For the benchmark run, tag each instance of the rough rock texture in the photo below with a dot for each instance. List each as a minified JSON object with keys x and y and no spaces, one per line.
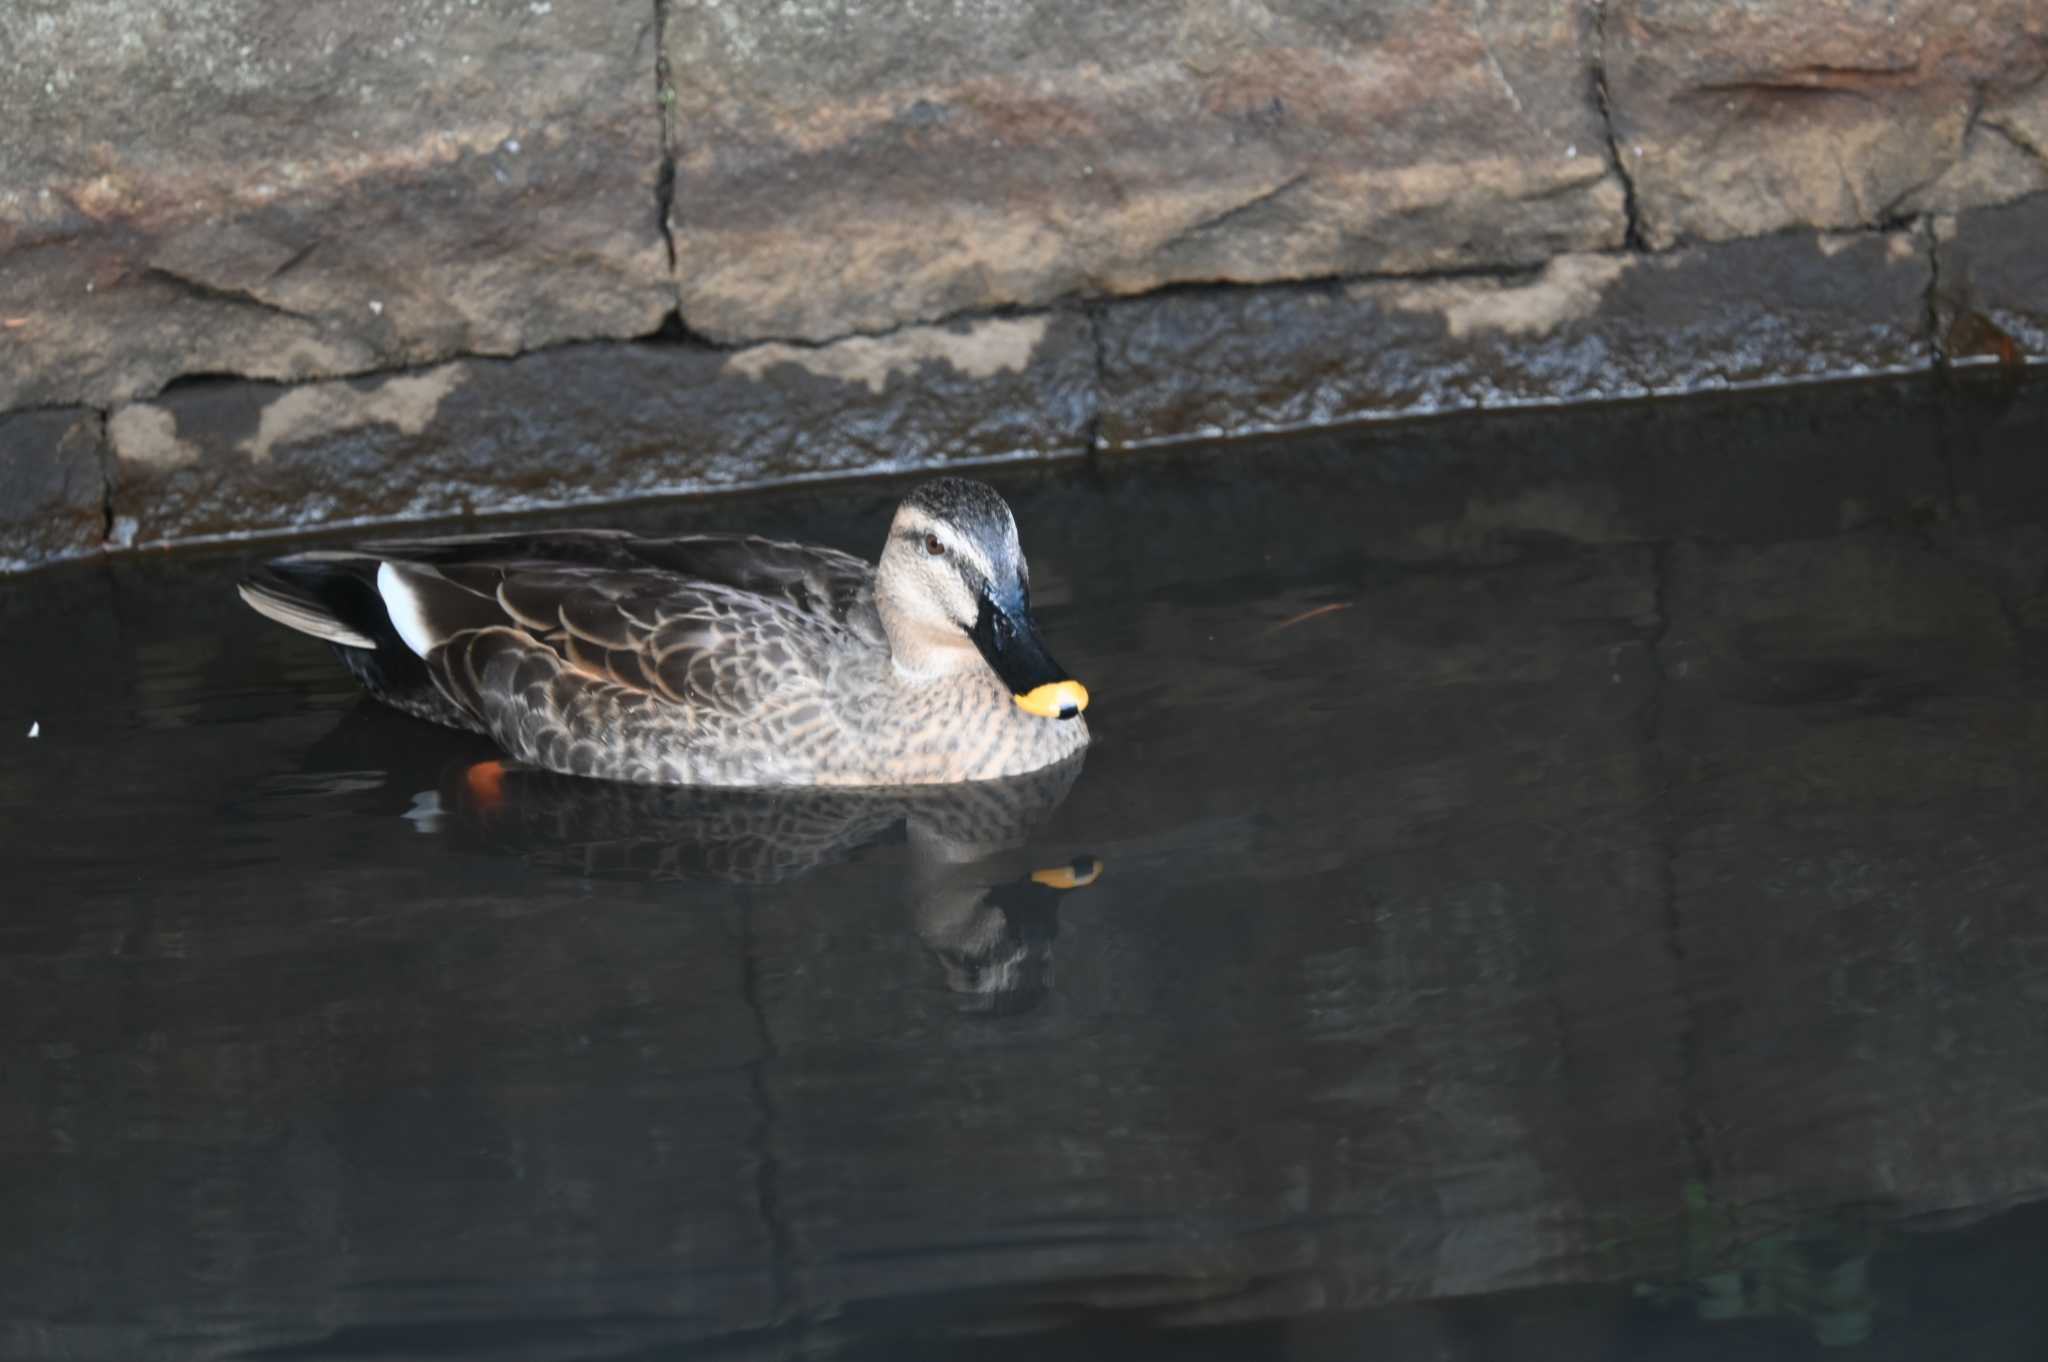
{"x":1585,"y":327}
{"x":1281,"y":214}
{"x":1737,"y":119}
{"x":52,"y":486}
{"x":1992,"y":302}
{"x":286,"y":191}
{"x":857,"y":166}
{"x":596,"y":422}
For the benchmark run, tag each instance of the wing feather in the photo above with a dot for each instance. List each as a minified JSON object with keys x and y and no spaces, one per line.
{"x":810,"y":579}
{"x":561,"y":643}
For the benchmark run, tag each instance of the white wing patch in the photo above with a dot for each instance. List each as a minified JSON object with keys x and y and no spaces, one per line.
{"x":403,"y":605}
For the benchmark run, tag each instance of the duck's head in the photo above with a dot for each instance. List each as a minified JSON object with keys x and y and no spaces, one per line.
{"x":953,"y":588}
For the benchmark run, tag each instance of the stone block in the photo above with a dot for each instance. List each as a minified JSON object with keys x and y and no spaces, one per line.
{"x":1736,"y":120}
{"x":855,"y":166}
{"x":221,"y":186}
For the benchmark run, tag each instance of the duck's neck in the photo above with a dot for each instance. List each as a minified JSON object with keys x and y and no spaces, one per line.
{"x":920,"y":653}
{"x":970,"y":727}
{"x":963,"y":685}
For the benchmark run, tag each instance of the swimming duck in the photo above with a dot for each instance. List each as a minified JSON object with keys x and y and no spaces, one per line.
{"x":718,"y":660}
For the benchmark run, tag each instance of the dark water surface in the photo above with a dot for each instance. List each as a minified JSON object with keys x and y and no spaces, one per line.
{"x":1573,"y":885}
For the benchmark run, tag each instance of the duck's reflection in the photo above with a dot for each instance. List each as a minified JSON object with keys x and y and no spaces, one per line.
{"x":988,"y":914}
{"x":1823,"y":1278}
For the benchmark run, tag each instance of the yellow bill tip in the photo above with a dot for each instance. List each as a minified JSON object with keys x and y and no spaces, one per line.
{"x":1078,"y":875}
{"x":1056,"y":700}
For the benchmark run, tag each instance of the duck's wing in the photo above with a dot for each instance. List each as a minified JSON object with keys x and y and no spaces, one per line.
{"x":688,"y":642}
{"x":571,"y":648}
{"x":834,"y":587}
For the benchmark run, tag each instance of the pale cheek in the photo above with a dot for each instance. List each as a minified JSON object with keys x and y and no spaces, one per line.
{"x":960,"y":601}
{"x":937,"y":596}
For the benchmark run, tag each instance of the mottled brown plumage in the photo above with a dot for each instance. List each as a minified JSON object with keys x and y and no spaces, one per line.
{"x":710,"y":659}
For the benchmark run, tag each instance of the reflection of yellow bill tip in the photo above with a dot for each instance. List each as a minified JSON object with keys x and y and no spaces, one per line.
{"x":1058,"y":700}
{"x":1079,"y":875}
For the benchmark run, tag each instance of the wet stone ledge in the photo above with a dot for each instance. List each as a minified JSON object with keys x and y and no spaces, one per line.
{"x":613,"y":421}
{"x":1796,"y":306}
{"x":593,"y":423}
{"x":52,"y":486}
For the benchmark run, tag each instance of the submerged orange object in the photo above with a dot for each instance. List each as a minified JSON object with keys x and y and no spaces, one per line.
{"x":486,"y":782}
{"x":1076,"y":875}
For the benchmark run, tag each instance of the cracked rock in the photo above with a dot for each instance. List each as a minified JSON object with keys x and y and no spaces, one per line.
{"x":239,"y":189}
{"x":846,"y":167}
{"x":1735,"y":120}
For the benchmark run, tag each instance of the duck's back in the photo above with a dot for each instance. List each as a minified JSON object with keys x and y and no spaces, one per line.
{"x":693,"y":660}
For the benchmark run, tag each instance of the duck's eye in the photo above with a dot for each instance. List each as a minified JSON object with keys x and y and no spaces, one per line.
{"x":933,"y":546}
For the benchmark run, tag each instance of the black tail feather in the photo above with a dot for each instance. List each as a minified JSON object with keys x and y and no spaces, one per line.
{"x":343,"y":587}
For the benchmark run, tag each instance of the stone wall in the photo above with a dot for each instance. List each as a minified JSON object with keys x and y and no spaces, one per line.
{"x":266,"y":266}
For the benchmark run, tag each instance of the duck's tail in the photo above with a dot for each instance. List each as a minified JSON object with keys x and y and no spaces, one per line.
{"x":333,"y":595}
